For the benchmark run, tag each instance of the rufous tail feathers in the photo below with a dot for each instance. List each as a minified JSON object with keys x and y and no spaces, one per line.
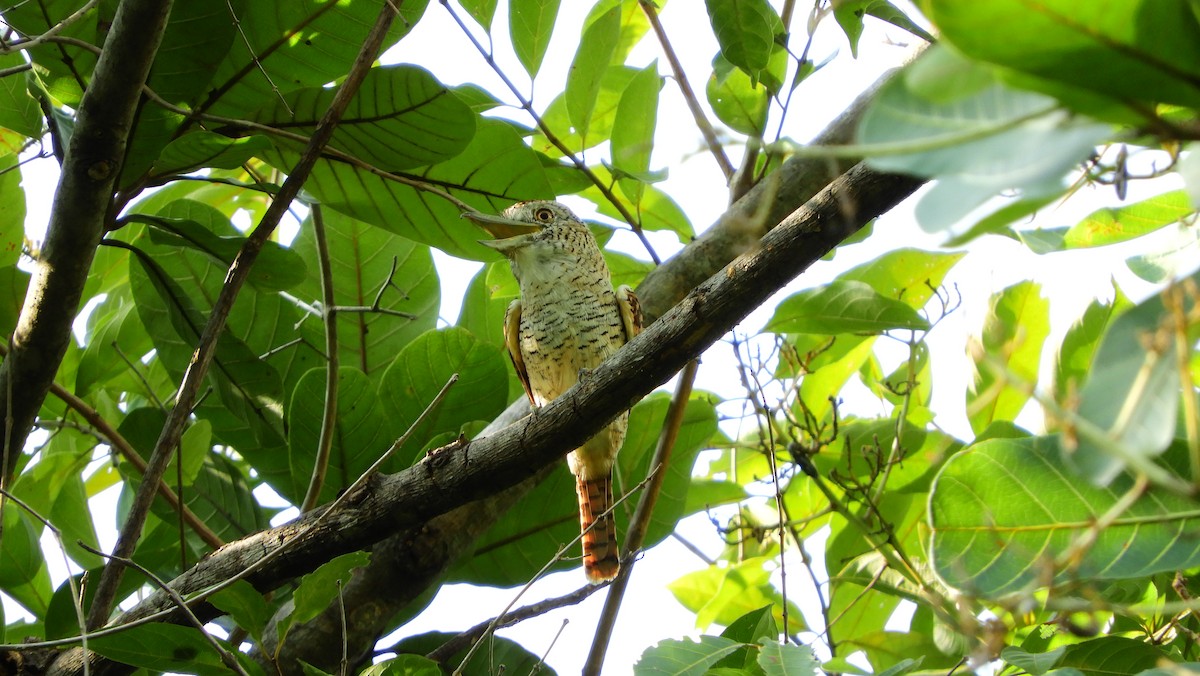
{"x":601,"y":560}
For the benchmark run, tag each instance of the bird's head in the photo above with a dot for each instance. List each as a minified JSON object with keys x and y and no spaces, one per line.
{"x":527,"y":223}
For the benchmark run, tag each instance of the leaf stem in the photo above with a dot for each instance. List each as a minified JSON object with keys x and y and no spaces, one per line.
{"x":329,"y":315}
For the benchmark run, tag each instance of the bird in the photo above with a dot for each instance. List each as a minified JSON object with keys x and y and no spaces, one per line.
{"x":567,"y":320}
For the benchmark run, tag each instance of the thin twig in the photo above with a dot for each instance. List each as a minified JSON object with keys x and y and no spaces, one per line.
{"x":450,"y":648}
{"x":203,"y":595}
{"x":238,"y":271}
{"x":641,"y":516}
{"x":329,"y":417}
{"x":49,"y":33}
{"x":227,"y":658}
{"x":689,"y":95}
{"x":126,"y":450}
{"x":76,"y":594}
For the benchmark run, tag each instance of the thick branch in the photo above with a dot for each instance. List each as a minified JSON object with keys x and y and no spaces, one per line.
{"x":77,"y":220}
{"x":468,"y":471}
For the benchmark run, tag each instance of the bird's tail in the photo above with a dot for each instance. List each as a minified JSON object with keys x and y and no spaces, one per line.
{"x":601,"y":560}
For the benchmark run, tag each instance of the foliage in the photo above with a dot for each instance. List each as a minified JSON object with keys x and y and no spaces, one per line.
{"x":1054,"y":531}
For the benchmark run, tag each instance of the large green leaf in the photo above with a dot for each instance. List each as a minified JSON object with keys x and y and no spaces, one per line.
{"x":495,"y":170}
{"x":12,"y":211}
{"x":633,"y":131}
{"x":19,"y":111}
{"x":843,"y":307}
{"x":736,"y":99}
{"x":1007,"y":516}
{"x":1133,"y":397}
{"x":1016,"y":327}
{"x":198,"y":37}
{"x":908,"y":275}
{"x":1078,"y":347}
{"x":1137,"y":50}
{"x":947,"y":118}
{"x":360,"y":433}
{"x":746,"y":31}
{"x":204,"y":149}
{"x":361,"y":257}
{"x":501,"y":654}
{"x":400,"y":118}
{"x":423,"y":367}
{"x":291,"y":45}
{"x":592,"y":58}
{"x":721,"y":594}
{"x":165,"y":647}
{"x":684,"y":657}
{"x":557,"y":118}
{"x":65,"y":68}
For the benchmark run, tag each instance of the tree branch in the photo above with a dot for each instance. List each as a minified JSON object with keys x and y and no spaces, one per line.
{"x":466,"y":471}
{"x":78,"y":216}
{"x":239,"y":270}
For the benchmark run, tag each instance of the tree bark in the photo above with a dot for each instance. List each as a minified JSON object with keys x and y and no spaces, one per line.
{"x":461,"y":473}
{"x":78,"y":218}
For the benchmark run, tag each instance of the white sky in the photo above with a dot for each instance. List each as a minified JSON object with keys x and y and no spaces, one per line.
{"x":650,"y":613}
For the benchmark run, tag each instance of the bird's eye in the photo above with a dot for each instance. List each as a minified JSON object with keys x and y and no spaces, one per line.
{"x":543,"y":215}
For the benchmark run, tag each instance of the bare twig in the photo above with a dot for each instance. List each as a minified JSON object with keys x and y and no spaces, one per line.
{"x":329,"y":418}
{"x":227,"y":658}
{"x":450,"y":648}
{"x":238,"y":272}
{"x":641,"y":516}
{"x":127,"y":451}
{"x":689,"y":95}
{"x":54,"y":30}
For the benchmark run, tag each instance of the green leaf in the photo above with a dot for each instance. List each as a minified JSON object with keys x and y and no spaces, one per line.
{"x":404,"y":665}
{"x":908,"y":275}
{"x":633,"y":130}
{"x":496,"y":169}
{"x":319,"y":588}
{"x":684,"y":658}
{"x":293,"y":45}
{"x":706,"y":493}
{"x":1007,"y":516}
{"x":1075,"y":355}
{"x":423,"y":367}
{"x":721,"y":594}
{"x":12,"y":211}
{"x":1114,"y":655}
{"x":162,"y":647}
{"x":204,"y":149}
{"x":1014,"y":331}
{"x":500,"y":651}
{"x":19,"y":111}
{"x":1034,"y":663}
{"x":245,"y":606}
{"x":1140,"y":50}
{"x":277,"y":268}
{"x":360,"y":435}
{"x":1111,"y":225}
{"x":20,"y":555}
{"x":737,"y":99}
{"x":656,"y":211}
{"x":600,"y":125}
{"x":530,"y":23}
{"x":198,"y":36}
{"x":634,"y":24}
{"x":947,"y":118}
{"x":361,"y":260}
{"x":1174,"y":259}
{"x":850,"y":16}
{"x":746,"y":31}
{"x":843,"y":307}
{"x":1134,"y":397}
{"x":483,"y":11}
{"x":786,"y":659}
{"x":400,"y":118}
{"x":592,"y":59}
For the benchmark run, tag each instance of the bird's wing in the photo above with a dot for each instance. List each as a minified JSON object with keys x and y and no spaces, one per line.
{"x":512,"y":340}
{"x":631,"y":311}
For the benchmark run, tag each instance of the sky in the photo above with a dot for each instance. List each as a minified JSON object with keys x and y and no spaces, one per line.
{"x":650,"y":613}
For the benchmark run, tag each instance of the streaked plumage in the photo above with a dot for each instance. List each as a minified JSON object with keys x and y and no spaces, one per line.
{"x":569,"y":318}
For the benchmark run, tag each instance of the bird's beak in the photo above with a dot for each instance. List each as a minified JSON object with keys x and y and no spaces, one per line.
{"x":500,"y":227}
